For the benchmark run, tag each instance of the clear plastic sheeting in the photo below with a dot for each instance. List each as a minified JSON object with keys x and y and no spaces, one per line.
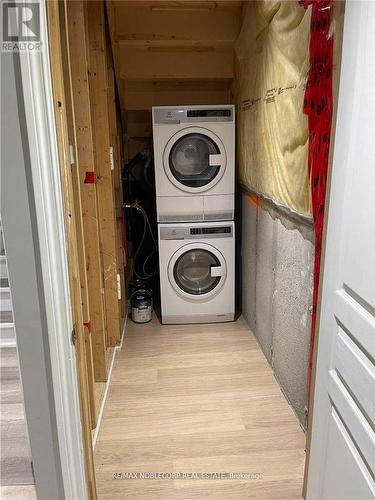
{"x":272,"y":63}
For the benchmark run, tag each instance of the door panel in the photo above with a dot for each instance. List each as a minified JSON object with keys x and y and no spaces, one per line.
{"x":356,"y":421}
{"x":361,"y":322}
{"x":356,"y":371}
{"x":354,"y":480}
{"x":342,"y":454}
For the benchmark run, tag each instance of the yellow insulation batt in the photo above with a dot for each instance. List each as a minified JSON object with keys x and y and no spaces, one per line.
{"x":272,"y":62}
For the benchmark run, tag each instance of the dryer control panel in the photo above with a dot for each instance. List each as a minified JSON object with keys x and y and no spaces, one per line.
{"x":195,"y":233}
{"x":201,"y":114}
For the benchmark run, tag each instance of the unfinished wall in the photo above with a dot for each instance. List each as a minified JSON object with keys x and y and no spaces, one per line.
{"x":277,"y":256}
{"x":277,"y":253}
{"x":272,"y":62}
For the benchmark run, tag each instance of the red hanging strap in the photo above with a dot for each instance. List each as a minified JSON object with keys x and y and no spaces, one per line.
{"x":318,"y":106}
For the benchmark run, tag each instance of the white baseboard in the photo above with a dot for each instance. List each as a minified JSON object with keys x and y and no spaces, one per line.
{"x":101,"y":410}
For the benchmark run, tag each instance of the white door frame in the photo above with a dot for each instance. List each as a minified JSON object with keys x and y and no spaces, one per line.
{"x":48,"y":233}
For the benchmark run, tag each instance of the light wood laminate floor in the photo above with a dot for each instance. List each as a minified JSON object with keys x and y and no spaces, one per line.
{"x":15,"y":454}
{"x":21,"y":492}
{"x":197,"y":399}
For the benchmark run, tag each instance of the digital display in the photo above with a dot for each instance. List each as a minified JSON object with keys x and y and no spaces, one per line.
{"x":208,"y":113}
{"x":210,"y":230}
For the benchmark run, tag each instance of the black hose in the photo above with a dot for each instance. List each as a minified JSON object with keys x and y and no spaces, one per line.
{"x":146,"y":224}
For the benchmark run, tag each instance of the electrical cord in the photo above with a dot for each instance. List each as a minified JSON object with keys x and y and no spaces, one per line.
{"x":146,"y":224}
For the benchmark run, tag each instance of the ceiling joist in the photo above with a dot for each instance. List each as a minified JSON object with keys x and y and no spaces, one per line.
{"x":172,"y":53}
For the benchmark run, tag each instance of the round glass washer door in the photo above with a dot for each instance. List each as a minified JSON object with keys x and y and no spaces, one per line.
{"x":194,"y":159}
{"x":197,"y":271}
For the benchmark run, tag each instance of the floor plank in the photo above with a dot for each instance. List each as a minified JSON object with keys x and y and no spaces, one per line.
{"x":15,"y":455}
{"x":18,"y":492}
{"x":197,"y":398}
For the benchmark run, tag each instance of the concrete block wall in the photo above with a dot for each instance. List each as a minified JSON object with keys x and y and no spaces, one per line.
{"x":277,"y":256}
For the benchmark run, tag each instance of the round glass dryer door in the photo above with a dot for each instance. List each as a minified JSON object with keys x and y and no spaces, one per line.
{"x":194,"y":159}
{"x":197,"y":271}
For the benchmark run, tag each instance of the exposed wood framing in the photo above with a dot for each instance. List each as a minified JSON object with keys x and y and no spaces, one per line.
{"x":136,"y":22}
{"x":182,"y":5}
{"x":140,"y":95}
{"x":71,"y":236}
{"x":105,"y":184}
{"x":171,"y":53}
{"x":86,"y":163}
{"x":77,"y":205}
{"x":115,"y":133}
{"x":175,"y":63}
{"x":115,"y":47}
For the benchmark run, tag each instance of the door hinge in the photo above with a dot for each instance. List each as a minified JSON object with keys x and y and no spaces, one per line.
{"x":71,"y":154}
{"x":118,"y":286}
{"x":111,"y":159}
{"x":73,"y":337}
{"x":306,"y":411}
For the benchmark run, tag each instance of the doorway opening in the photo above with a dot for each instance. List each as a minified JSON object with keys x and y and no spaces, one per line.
{"x":189,"y":397}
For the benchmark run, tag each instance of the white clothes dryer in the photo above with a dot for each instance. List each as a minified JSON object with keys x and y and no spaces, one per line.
{"x":194,"y":151}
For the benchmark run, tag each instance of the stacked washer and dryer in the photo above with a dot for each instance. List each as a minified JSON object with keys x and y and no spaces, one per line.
{"x":195,"y":174}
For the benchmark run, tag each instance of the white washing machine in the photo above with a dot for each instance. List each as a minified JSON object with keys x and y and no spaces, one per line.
{"x":194,"y":162}
{"x":197,"y":272}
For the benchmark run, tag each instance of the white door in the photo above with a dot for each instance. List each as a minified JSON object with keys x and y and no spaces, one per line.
{"x":342,"y":457}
